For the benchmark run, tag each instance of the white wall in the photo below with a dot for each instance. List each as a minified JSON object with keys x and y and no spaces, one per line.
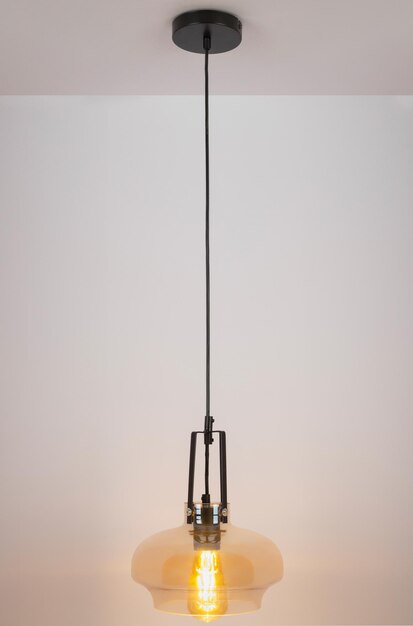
{"x":101,"y":330}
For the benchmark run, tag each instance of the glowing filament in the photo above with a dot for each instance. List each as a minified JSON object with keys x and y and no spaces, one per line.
{"x":207,"y":599}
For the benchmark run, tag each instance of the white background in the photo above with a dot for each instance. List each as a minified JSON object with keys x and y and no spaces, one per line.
{"x":102,"y":353}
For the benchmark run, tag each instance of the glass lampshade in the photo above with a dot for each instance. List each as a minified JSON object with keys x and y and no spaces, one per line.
{"x":207,"y":574}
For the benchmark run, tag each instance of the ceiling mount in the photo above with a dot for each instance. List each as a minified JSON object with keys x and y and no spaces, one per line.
{"x":224,"y":30}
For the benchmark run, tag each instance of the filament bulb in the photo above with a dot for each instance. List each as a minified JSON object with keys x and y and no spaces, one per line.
{"x":207,"y":597}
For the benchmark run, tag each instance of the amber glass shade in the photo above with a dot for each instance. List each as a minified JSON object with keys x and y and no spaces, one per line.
{"x":207,"y":580}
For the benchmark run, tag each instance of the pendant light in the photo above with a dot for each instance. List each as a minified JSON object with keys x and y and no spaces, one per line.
{"x":207,"y":567}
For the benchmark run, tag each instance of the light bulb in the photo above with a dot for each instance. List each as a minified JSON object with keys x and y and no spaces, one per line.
{"x":207,"y":597}
{"x":206,"y":570}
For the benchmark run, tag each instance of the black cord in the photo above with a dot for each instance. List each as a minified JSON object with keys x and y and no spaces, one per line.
{"x":207,"y":272}
{"x":208,"y":419}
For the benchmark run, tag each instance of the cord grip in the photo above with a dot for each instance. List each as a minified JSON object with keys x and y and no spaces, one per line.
{"x":207,"y":42}
{"x":208,"y":428}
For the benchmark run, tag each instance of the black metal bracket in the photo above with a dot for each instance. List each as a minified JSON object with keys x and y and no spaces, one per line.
{"x":222,"y":468}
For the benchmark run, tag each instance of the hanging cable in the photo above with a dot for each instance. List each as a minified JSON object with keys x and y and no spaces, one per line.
{"x":207,"y":272}
{"x":208,"y":418}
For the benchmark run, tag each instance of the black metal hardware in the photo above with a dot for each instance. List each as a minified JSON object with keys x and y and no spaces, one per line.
{"x":208,"y":425}
{"x":223,"y":473}
{"x":188,"y":30}
{"x":222,"y":470}
{"x":191,"y":476}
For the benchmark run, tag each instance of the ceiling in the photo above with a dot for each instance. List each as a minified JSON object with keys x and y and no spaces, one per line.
{"x":123,"y":47}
